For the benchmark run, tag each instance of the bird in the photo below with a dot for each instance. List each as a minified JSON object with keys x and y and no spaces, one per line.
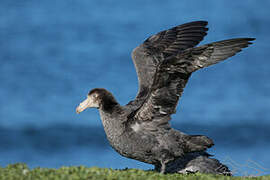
{"x":194,"y":162}
{"x":164,"y":62}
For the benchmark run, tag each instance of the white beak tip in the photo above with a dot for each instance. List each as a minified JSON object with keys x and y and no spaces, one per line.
{"x":77,"y":110}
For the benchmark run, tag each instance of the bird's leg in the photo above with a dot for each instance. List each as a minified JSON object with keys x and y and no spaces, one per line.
{"x":163,"y":166}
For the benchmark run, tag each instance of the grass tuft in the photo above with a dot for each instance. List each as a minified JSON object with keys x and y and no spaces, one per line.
{"x":22,"y":172}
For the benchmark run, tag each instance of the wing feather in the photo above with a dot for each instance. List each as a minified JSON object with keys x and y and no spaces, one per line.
{"x":173,"y":73}
{"x":156,"y":48}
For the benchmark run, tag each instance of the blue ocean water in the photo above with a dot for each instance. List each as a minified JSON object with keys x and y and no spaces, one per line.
{"x":53,"y":52}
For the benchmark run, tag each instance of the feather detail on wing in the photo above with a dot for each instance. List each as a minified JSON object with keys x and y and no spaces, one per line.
{"x":156,"y":48}
{"x":176,"y":39}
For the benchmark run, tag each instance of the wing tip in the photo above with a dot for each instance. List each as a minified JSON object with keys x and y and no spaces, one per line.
{"x":250,"y":40}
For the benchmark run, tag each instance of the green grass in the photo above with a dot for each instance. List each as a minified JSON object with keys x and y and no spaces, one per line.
{"x":21,"y":172}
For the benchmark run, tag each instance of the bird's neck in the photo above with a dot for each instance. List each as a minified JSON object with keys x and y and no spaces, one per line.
{"x":109,"y":104}
{"x":112,"y":115}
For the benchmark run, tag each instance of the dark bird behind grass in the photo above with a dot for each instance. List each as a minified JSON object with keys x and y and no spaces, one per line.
{"x":164,"y":62}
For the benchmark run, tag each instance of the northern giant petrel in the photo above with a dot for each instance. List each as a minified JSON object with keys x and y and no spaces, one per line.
{"x":164,"y":62}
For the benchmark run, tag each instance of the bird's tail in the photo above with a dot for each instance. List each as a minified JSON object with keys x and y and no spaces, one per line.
{"x":195,"y":143}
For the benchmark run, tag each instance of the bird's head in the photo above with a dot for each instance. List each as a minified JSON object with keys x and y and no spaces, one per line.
{"x":97,"y":98}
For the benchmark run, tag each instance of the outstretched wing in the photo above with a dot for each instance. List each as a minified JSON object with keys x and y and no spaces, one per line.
{"x":172,"y":76}
{"x":156,"y":48}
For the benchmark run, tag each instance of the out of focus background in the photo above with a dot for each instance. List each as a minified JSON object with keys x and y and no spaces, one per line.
{"x":53,"y":52}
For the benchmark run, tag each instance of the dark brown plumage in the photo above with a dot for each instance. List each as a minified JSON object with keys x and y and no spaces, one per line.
{"x":164,"y":62}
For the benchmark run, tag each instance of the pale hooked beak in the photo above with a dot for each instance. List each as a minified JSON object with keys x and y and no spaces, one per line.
{"x":83,"y":105}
